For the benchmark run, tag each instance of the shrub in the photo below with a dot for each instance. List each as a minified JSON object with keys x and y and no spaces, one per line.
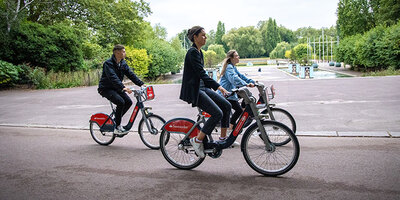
{"x":55,"y":47}
{"x":163,"y":57}
{"x":300,"y":53}
{"x":9,"y":74}
{"x":138,"y":60}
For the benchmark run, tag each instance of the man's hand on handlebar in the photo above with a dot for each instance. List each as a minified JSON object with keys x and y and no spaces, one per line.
{"x":128,"y":90}
{"x":250,"y":85}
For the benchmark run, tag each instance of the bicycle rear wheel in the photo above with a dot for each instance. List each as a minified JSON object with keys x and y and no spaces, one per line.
{"x":177,"y":152}
{"x":273,"y":162}
{"x":101,"y":137}
{"x":151,"y":140}
{"x":284,"y":117}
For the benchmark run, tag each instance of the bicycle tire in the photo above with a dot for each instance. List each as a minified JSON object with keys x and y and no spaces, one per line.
{"x":180,"y":158}
{"x":102,"y":138}
{"x":283,"y":117}
{"x":270,"y":163}
{"x":151,"y":140}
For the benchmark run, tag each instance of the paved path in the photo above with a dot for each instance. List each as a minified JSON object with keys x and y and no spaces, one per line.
{"x":361,"y":106}
{"x":65,"y":164}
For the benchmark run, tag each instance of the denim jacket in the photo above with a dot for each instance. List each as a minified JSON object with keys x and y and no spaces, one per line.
{"x":233,"y":79}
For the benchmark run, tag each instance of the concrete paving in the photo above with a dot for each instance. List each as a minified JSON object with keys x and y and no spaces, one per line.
{"x":360,"y":106}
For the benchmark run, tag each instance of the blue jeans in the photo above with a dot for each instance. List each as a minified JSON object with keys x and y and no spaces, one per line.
{"x":217,"y":106}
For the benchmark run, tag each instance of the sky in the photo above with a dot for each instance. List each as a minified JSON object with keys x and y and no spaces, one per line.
{"x":177,"y":15}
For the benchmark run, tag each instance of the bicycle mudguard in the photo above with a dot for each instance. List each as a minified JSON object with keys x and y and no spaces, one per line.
{"x":181,"y":125}
{"x":100,"y":119}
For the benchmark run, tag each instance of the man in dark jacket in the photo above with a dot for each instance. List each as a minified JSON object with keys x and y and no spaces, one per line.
{"x":112,"y":88}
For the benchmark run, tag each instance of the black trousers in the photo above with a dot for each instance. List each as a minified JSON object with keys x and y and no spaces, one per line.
{"x":217,"y":106}
{"x":121,"y":99}
{"x":238,"y":111}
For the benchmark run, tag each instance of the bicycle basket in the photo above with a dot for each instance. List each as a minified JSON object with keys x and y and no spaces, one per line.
{"x":150,"y":93}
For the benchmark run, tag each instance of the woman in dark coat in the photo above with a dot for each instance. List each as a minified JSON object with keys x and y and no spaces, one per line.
{"x":196,"y":90}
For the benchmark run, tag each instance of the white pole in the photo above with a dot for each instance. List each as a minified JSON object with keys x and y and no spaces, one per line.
{"x":331,"y":50}
{"x":314,"y":49}
{"x":319,"y":49}
{"x":323,"y":46}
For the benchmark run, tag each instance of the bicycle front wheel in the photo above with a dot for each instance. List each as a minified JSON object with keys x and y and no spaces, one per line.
{"x":151,"y":138}
{"x":270,"y":161}
{"x":177,"y":152}
{"x":284,"y":117}
{"x":101,"y":137}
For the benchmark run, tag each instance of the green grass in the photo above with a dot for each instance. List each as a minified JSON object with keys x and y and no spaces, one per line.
{"x":387,"y":72}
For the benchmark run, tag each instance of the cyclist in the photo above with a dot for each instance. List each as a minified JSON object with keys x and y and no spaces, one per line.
{"x":206,"y":99}
{"x":112,"y":88}
{"x":231,"y":78}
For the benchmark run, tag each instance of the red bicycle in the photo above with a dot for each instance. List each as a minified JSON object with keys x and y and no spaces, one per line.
{"x":102,"y":125}
{"x":258,"y":143}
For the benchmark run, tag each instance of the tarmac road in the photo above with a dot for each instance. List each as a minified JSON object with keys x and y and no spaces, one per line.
{"x":354,"y":156}
{"x":64,"y":164}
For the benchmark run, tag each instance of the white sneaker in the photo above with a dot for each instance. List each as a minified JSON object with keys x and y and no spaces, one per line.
{"x":120,"y":131}
{"x":198,"y":147}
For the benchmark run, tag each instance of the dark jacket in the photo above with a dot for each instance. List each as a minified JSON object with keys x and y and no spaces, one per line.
{"x":193,"y":71}
{"x":113,"y":75}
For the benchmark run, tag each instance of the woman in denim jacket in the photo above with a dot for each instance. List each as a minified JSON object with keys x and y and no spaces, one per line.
{"x":231,"y":78}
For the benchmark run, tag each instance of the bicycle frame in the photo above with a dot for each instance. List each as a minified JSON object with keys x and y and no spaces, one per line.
{"x":191,"y":128}
{"x":107,"y":124}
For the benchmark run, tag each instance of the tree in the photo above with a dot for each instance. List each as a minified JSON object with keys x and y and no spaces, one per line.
{"x":354,"y":16}
{"x":280,"y":49}
{"x":270,"y":35}
{"x":300,"y":53}
{"x":247,"y":41}
{"x":219,"y":34}
{"x":386,"y":12}
{"x":219,"y":50}
{"x":210,"y":58}
{"x":210,"y":39}
{"x":286,"y":34}
{"x":12,"y":10}
{"x":160,"y":32}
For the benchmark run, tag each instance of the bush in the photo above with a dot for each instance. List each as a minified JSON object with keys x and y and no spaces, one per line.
{"x":300,"y":53}
{"x":138,"y":60}
{"x":280,"y":50}
{"x":376,"y":49}
{"x":9,"y":74}
{"x":164,"y":58}
{"x":55,"y":47}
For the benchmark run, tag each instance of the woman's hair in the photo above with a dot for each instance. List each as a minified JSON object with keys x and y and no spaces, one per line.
{"x":227,"y":61}
{"x":195,"y":30}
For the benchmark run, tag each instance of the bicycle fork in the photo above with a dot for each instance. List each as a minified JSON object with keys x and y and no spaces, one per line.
{"x":149,"y":123}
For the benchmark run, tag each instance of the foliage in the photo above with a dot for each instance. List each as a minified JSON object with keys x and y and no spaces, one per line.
{"x":210,"y":58}
{"x":288,"y":54}
{"x":219,"y":50}
{"x":138,"y":60}
{"x":386,"y":12}
{"x":164,"y":58}
{"x":300,"y":53}
{"x":354,"y":17}
{"x":210,"y":40}
{"x":9,"y":74}
{"x":270,"y":34}
{"x":377,"y":49}
{"x":246,"y":40}
{"x":280,"y":49}
{"x":54,"y":47}
{"x":219,"y":34}
{"x":391,"y":71}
